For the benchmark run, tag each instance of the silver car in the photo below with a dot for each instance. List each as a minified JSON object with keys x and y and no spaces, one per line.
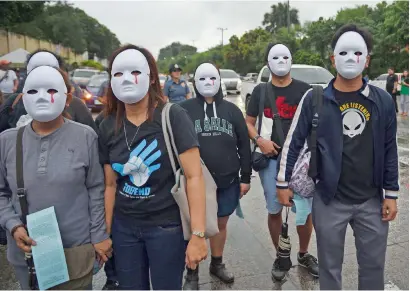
{"x":232,"y":81}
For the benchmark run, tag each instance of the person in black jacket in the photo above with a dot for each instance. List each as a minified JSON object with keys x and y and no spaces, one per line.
{"x":225,"y":149}
{"x":357,"y":178}
{"x":13,"y":109}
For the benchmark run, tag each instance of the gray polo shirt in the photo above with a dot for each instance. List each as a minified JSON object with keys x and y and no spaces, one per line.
{"x":62,"y":170}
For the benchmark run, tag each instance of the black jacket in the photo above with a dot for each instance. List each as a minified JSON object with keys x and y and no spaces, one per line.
{"x":330,"y":142}
{"x":223,"y":138}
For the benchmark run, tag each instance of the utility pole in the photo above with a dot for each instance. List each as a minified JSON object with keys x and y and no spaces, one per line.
{"x":193,"y":42}
{"x":222,"y":30}
{"x":288,"y":17}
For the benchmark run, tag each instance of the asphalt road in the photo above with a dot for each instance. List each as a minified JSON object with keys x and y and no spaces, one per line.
{"x":249,"y":252}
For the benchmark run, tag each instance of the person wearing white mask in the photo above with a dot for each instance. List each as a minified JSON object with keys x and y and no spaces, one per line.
{"x":357,"y":181}
{"x":145,"y":223}
{"x":282,"y":96}
{"x":225,"y":150}
{"x":61,"y":169}
{"x":13,"y":113}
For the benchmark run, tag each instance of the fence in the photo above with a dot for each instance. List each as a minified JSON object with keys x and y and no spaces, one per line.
{"x":10,"y":41}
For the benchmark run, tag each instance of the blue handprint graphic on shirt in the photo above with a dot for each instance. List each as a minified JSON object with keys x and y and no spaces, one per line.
{"x":138,"y":167}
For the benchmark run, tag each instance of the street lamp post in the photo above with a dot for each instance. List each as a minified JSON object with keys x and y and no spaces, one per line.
{"x":288,"y":16}
{"x":222,"y":30}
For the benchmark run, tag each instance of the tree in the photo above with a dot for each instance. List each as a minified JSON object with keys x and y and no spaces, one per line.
{"x":277,"y":18}
{"x":16,"y":12}
{"x":175,"y":49}
{"x":61,"y":23}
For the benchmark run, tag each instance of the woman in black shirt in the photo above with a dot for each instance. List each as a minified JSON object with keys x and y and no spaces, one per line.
{"x":145,"y":221}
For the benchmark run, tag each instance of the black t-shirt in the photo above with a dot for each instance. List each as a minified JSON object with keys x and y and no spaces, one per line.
{"x":391,"y":79}
{"x":356,"y":178}
{"x":144,"y":174}
{"x":287,"y":100}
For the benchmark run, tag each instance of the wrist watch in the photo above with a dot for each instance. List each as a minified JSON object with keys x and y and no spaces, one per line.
{"x":255,"y":139}
{"x":200,"y":234}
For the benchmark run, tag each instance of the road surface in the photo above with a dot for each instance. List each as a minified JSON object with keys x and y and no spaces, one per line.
{"x":249,"y":252}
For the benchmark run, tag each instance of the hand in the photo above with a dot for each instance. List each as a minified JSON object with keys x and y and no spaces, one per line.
{"x":394,"y":91}
{"x":196,"y":252}
{"x":24,"y":242}
{"x":104,"y":249}
{"x":284,"y":196}
{"x":139,"y":167}
{"x":268,"y":147}
{"x":389,"y":209}
{"x":244,"y":188}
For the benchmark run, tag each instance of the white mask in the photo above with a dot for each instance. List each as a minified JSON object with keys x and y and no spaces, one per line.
{"x":350,"y":55}
{"x":44,"y":94}
{"x":279,"y":60}
{"x":207,"y":80}
{"x":128,"y":85}
{"x":42,"y":59}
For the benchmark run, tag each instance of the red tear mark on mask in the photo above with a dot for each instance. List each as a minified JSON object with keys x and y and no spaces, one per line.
{"x":136,"y":79}
{"x":213,"y":82}
{"x":52,"y":97}
{"x":358,"y":57}
{"x":286,"y":61}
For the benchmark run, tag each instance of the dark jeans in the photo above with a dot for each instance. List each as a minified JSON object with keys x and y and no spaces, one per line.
{"x":109,"y":269}
{"x":144,"y":253}
{"x":394,"y":96}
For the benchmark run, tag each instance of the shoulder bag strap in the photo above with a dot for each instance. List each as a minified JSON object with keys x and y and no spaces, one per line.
{"x":261,"y":107}
{"x":165,"y":112}
{"x":5,"y":76}
{"x":317,"y":103}
{"x":277,"y":123}
{"x":21,"y":191}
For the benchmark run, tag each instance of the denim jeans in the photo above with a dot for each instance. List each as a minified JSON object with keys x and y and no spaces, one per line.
{"x":109,"y":269}
{"x":144,"y":253}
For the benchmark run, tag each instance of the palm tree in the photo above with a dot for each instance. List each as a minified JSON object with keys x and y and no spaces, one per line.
{"x":278,"y":17}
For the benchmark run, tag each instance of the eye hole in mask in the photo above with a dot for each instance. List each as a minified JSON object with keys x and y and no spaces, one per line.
{"x":343,"y":53}
{"x":32,"y":91}
{"x":275,"y":58}
{"x":201,"y":79}
{"x":52,"y":92}
{"x":286,"y":58}
{"x":119,"y":74}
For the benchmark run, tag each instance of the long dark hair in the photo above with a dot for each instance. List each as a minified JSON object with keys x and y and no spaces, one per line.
{"x":117,"y":107}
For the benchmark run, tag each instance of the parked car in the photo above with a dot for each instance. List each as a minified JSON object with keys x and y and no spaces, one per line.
{"x":90,"y":93}
{"x":162,"y":80}
{"x":381,"y":80}
{"x":250,"y":77}
{"x":224,"y":92}
{"x":83,"y":76}
{"x":232,"y":81}
{"x":313,"y":75}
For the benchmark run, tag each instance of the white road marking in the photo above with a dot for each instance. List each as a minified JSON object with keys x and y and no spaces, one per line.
{"x":390,"y":286}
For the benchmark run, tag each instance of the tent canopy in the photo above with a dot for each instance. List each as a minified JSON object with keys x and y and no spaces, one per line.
{"x":19,"y":56}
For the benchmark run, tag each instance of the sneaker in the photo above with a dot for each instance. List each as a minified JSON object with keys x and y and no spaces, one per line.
{"x":111,"y":285}
{"x":310,"y":263}
{"x":191,"y":280}
{"x":278,"y":273}
{"x":221,"y":272}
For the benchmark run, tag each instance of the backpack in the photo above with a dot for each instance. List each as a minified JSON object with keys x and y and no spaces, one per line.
{"x":304,"y":173}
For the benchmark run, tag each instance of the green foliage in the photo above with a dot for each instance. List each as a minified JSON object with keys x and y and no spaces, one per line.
{"x":310,"y":44}
{"x":278,"y":17}
{"x":60,"y":23}
{"x":92,"y":64}
{"x":15,"y":12}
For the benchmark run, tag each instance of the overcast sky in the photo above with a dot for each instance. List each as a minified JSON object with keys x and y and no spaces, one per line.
{"x":156,"y":24}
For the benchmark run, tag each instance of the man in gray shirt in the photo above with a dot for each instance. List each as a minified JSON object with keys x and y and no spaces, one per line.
{"x":61,"y":169}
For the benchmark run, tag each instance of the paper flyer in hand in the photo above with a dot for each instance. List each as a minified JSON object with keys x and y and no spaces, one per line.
{"x":48,"y":254}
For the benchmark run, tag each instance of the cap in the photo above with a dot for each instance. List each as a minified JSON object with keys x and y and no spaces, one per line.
{"x":174,"y":67}
{"x":4,"y":62}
